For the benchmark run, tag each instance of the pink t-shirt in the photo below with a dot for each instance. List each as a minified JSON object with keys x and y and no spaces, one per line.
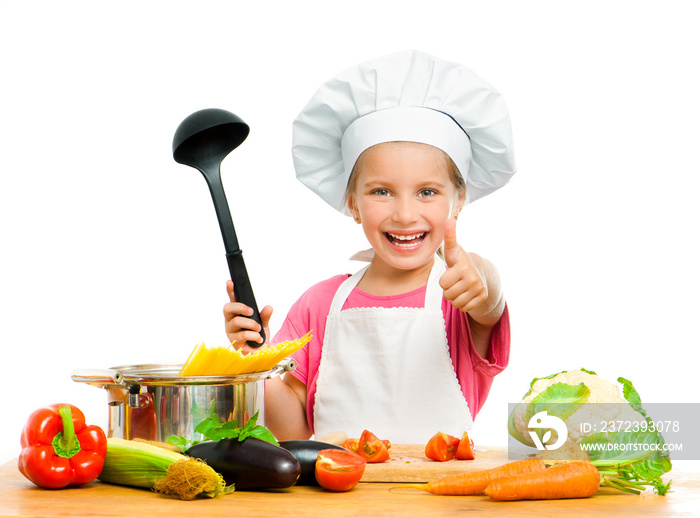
{"x":475,"y":374}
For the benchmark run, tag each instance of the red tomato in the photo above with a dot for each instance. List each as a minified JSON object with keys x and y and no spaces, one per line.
{"x":464,"y":450}
{"x":441,"y":447}
{"x":351,"y":444}
{"x":354,"y":444}
{"x":339,"y":470}
{"x":372,"y":449}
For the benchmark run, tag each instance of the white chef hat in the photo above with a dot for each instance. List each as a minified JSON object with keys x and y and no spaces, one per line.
{"x":407,"y":96}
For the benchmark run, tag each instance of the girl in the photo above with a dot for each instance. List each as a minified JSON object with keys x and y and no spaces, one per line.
{"x":409,"y":345}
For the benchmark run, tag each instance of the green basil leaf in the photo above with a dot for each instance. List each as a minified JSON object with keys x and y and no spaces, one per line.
{"x":262,"y":433}
{"x":208,"y":426}
{"x":182,"y":443}
{"x":253,"y":420}
{"x":214,"y":430}
{"x":228,"y":434}
{"x":229,"y":425}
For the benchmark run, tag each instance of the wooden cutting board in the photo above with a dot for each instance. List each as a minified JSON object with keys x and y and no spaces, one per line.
{"x":409,"y":464}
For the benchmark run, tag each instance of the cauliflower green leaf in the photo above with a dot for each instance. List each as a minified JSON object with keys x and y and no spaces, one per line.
{"x":631,"y":395}
{"x":561,"y":400}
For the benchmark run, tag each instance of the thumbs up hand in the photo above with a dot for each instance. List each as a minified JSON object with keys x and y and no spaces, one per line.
{"x":464,"y":283}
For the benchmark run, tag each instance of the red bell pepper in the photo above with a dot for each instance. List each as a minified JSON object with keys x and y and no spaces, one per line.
{"x":59,"y":450}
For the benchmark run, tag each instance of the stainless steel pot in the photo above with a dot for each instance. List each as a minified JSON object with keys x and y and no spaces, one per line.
{"x":152,"y":402}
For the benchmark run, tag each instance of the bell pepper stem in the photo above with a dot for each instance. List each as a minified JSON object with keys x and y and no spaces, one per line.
{"x":66,"y":443}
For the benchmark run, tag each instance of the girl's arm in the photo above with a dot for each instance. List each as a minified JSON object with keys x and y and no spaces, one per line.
{"x":473,"y":285}
{"x":285,"y":408}
{"x":486,"y":315}
{"x":285,"y":396}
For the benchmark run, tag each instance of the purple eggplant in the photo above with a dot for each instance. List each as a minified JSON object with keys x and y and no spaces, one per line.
{"x":249,"y":464}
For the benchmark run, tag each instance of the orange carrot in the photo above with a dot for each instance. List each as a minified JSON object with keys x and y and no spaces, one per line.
{"x":571,"y":480}
{"x":474,"y":482}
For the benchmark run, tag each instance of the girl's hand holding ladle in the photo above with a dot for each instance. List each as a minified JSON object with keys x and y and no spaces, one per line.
{"x":240,"y":327}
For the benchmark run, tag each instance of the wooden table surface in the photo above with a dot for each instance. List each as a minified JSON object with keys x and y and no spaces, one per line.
{"x":19,"y":497}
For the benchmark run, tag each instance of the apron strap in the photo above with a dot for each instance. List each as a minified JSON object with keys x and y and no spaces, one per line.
{"x":433,"y":291}
{"x":344,"y":291}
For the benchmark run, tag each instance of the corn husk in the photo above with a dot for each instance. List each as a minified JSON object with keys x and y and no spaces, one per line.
{"x":140,"y":464}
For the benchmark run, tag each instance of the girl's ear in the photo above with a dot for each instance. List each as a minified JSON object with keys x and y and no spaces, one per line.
{"x":459,"y":204}
{"x":353,"y":209}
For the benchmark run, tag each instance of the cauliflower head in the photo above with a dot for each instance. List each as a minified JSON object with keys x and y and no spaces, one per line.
{"x":588,"y":388}
{"x":584,"y":401}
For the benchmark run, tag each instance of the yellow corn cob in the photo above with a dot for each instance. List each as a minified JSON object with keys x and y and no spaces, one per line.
{"x":226,"y":361}
{"x":136,"y":463}
{"x":140,"y":464}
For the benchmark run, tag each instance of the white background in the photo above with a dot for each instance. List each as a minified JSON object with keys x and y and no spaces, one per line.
{"x":111,"y":251}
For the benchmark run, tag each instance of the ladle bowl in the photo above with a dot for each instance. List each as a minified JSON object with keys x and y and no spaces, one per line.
{"x":203,"y":140}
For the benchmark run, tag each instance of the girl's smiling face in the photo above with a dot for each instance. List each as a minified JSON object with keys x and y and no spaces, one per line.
{"x":402,"y":194}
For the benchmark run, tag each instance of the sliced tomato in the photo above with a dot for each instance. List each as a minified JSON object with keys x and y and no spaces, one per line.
{"x":354,"y":444}
{"x":371,"y":448}
{"x":465,"y":450}
{"x":441,"y":447}
{"x":351,"y":444}
{"x":339,"y":470}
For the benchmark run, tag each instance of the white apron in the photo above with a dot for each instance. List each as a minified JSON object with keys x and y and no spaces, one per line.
{"x":388,"y":370}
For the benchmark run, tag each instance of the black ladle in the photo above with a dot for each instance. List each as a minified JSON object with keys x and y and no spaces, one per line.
{"x":202,"y":141}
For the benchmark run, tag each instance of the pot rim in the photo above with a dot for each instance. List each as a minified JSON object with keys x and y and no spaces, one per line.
{"x":166,"y":374}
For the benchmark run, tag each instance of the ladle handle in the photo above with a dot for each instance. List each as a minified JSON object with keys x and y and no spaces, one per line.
{"x":242,"y":288}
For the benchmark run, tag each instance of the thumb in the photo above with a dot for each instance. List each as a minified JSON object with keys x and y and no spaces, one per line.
{"x":452,"y":248}
{"x":265,"y":315}
{"x":229,"y":290}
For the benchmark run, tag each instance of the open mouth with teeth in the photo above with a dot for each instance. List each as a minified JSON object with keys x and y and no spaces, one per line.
{"x":405,"y":240}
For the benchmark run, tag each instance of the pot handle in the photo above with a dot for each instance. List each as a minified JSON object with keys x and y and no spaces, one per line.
{"x":286,"y":365}
{"x":98,"y":376}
